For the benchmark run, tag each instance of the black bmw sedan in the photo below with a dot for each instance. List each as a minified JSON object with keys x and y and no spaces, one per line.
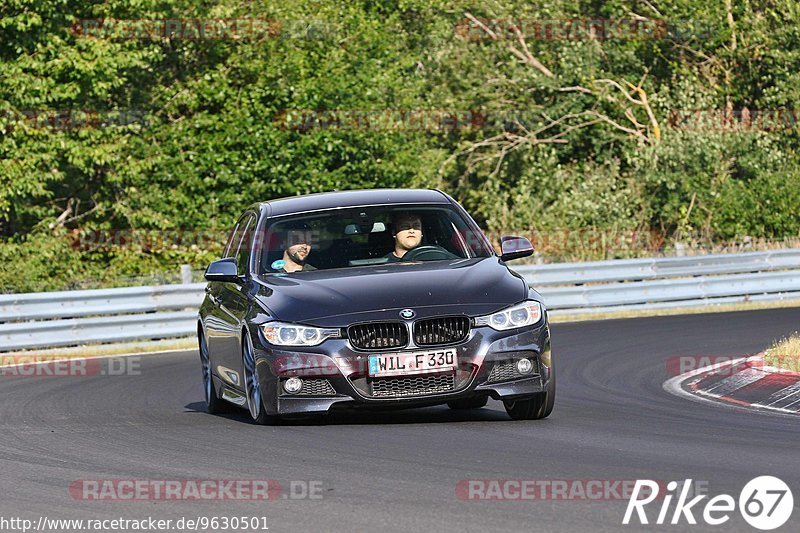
{"x":376,"y":298}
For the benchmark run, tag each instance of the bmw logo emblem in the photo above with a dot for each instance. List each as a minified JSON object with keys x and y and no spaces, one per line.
{"x":408,"y":314}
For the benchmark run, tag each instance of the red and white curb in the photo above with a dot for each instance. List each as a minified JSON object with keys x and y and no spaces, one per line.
{"x":744,"y":382}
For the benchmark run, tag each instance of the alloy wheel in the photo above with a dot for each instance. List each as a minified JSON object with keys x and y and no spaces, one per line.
{"x":252,"y":387}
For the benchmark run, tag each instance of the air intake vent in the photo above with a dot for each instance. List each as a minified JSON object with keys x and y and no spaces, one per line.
{"x":441,"y":330}
{"x":412,"y":386}
{"x":378,"y":335}
{"x":507,"y":370}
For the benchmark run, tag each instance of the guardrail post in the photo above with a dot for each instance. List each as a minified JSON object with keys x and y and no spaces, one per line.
{"x":186,"y":274}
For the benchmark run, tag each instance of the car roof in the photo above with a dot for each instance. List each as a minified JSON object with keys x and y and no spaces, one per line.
{"x":357,"y":198}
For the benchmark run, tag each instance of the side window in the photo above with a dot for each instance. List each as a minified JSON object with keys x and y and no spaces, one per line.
{"x":233,"y":241}
{"x":245,"y":246}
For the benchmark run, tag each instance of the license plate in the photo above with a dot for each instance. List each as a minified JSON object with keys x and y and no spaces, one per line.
{"x":396,"y":364}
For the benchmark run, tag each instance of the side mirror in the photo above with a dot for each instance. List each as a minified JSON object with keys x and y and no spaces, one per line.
{"x":515,"y":248}
{"x":223,"y":270}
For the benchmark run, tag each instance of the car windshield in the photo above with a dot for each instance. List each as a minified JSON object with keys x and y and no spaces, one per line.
{"x":357,"y":237}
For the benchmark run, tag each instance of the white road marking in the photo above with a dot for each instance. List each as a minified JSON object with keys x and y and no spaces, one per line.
{"x":784,"y":394}
{"x":735,"y":382}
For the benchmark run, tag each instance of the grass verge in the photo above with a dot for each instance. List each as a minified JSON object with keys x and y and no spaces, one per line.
{"x":784,"y":353}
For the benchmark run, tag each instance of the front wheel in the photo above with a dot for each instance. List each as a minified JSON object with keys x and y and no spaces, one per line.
{"x":214,"y":405}
{"x":536,"y":407}
{"x":255,"y":403}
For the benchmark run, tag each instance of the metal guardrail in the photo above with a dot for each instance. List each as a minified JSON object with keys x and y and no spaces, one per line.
{"x":55,"y":319}
{"x":666,"y":282}
{"x":659,"y":267}
{"x":77,"y":331}
{"x":70,"y":318}
{"x":73,"y":304}
{"x":671,"y":290}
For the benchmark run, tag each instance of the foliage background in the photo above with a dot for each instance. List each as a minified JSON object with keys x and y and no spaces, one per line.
{"x":206,"y":139}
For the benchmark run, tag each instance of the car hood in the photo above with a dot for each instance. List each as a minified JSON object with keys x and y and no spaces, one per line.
{"x":337,"y":297}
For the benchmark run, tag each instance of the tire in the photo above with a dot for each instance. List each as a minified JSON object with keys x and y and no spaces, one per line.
{"x":476,"y":402}
{"x":535,"y":407}
{"x":214,"y":404}
{"x":255,"y":398}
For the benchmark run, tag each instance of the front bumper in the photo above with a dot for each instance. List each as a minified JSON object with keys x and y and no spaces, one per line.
{"x":335,"y":375}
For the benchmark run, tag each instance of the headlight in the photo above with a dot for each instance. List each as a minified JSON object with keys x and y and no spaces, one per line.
{"x":282,"y":334}
{"x":524,"y":314}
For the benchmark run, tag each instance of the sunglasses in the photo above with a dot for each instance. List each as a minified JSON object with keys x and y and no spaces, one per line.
{"x":405,"y":226}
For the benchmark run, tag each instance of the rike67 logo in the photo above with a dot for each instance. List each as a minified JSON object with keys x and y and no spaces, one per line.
{"x":765,"y":503}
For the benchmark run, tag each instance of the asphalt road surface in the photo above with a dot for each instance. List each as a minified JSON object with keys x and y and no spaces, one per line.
{"x":399,"y":471}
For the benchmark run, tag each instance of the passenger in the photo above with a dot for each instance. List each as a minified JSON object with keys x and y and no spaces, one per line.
{"x":298,"y":247}
{"x":407,"y":233}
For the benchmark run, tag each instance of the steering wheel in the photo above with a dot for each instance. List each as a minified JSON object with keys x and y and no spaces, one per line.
{"x":428,"y":253}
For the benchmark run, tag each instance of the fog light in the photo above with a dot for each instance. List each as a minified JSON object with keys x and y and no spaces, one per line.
{"x":293,"y":385}
{"x":524,"y":366}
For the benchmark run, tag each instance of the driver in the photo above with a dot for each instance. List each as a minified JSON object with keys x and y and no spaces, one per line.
{"x":296,"y":252}
{"x":407,"y":233}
